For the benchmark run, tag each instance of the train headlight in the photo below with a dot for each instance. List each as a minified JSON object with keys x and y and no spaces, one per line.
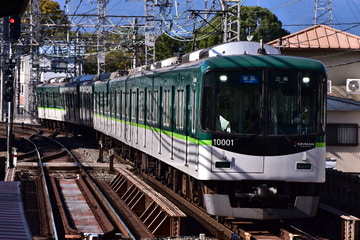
{"x":223,"y":78}
{"x":306,"y":80}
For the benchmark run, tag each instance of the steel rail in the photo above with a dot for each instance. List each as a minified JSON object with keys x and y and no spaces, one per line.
{"x":96,"y":189}
{"x":48,"y":200}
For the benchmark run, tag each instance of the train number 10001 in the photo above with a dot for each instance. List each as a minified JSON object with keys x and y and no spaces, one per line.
{"x":223,"y":142}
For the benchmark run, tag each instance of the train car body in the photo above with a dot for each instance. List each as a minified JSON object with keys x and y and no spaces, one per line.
{"x":86,"y":103}
{"x":247,"y":127}
{"x":50,"y":104}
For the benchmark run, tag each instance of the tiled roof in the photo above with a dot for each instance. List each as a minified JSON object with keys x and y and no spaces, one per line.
{"x":318,"y":36}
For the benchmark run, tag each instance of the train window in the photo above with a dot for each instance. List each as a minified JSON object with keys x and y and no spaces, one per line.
{"x":193,"y":125}
{"x":293,"y":102}
{"x":232,"y":101}
{"x":288,"y":102}
{"x":180,"y":109}
{"x":107,"y":104}
{"x":102,"y":103}
{"x":118,"y":104}
{"x":123,"y":110}
{"x":96,"y":107}
{"x":53,"y":100}
{"x":58,"y":100}
{"x":133,"y":105}
{"x":166,"y":108}
{"x":110,"y":104}
{"x":156,"y":107}
{"x":148,"y":107}
{"x":141,"y":105}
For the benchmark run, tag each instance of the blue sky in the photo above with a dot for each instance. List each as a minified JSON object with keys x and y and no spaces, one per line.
{"x":295,"y":15}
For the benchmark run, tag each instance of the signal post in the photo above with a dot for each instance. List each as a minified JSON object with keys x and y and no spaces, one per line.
{"x":11,"y":33}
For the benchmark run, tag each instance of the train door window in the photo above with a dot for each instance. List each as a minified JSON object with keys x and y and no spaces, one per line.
{"x":180,"y":109}
{"x":148,"y":107}
{"x":156,"y":107}
{"x":133,"y":105}
{"x":58,"y":101}
{"x":123,"y":110}
{"x":113,"y":104}
{"x":166,"y":108}
{"x":141,"y":106}
{"x":127,"y":106}
{"x":110,"y":103}
{"x":193,"y":108}
{"x":107,"y":104}
{"x":102,"y":98}
{"x":118,"y":104}
{"x":53,"y":100}
{"x":96,"y":105}
{"x":62,"y":100}
{"x":47,"y":99}
{"x":67,"y":101}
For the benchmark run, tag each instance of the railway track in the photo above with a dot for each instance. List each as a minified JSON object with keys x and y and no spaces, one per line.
{"x":66,"y":174}
{"x":62,"y":195}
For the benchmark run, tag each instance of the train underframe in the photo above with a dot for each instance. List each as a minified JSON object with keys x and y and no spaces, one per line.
{"x":243,"y":199}
{"x":251,"y":199}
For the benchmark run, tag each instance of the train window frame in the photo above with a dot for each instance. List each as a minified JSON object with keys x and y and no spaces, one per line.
{"x":148,"y":106}
{"x":112,"y":103}
{"x":180,"y":98}
{"x":134,"y":103}
{"x":107,"y":104}
{"x":127,"y":106}
{"x":96,"y":105}
{"x":123,"y":110}
{"x":155,"y":107}
{"x":118,"y":104}
{"x":194,"y":110}
{"x":141,"y":105}
{"x":166,"y":108}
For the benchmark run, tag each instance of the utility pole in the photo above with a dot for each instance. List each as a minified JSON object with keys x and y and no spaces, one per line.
{"x":100,"y":36}
{"x":231,"y":24}
{"x":34,"y":40}
{"x":323,"y":12}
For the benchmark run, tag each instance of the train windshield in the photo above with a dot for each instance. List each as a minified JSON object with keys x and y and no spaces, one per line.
{"x":270,"y":102}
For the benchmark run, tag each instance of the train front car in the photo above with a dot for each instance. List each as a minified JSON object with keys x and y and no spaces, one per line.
{"x":265,"y":118}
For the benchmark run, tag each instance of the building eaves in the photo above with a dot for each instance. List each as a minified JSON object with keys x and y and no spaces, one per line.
{"x":342,"y":104}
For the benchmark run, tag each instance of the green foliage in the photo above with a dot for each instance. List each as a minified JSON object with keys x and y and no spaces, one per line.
{"x":261,"y":24}
{"x":257,"y":22}
{"x":167,"y":47}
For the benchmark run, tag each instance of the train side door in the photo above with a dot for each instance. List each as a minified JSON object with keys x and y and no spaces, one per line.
{"x":187,"y":124}
{"x":134,"y":116}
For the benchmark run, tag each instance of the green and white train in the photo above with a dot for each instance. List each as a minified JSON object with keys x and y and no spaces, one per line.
{"x":238,"y":128}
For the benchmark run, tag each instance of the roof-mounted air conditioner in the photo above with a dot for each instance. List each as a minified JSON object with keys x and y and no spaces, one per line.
{"x":353,"y":86}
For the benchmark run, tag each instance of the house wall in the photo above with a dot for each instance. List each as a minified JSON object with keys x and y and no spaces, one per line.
{"x":348,"y":157}
{"x":341,"y":64}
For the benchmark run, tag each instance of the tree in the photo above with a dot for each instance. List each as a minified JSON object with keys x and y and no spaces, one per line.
{"x":167,"y":47}
{"x":51,"y":15}
{"x":261,"y":24}
{"x":257,"y":22}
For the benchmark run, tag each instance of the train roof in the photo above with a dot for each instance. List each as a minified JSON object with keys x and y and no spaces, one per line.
{"x":263,"y":61}
{"x":49,"y":87}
